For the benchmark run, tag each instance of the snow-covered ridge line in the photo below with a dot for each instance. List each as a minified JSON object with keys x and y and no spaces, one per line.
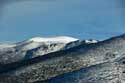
{"x":60,"y":39}
{"x":91,"y":41}
{"x":7,"y":45}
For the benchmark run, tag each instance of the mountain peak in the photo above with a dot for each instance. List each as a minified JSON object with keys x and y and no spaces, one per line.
{"x":61,"y":39}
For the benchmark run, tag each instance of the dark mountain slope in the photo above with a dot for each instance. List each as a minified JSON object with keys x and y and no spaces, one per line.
{"x":110,"y":72}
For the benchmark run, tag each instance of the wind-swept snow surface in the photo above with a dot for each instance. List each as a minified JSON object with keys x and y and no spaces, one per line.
{"x":60,"y":39}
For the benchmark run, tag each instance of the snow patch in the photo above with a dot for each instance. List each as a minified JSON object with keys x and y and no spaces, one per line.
{"x":61,"y":39}
{"x":91,"y":41}
{"x":7,"y":46}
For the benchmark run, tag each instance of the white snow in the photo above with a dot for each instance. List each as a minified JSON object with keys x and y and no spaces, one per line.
{"x":6,"y":46}
{"x":60,"y":39}
{"x":39,"y":41}
{"x":91,"y":41}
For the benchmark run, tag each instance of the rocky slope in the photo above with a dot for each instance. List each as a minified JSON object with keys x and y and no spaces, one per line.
{"x":101,"y":62}
{"x":110,"y":70}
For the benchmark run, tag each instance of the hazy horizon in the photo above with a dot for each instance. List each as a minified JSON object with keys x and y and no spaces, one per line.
{"x":83,"y":19}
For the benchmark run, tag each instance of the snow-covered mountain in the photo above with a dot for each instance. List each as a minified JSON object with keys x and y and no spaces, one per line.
{"x":2,"y":46}
{"x":38,"y":59}
{"x":43,"y":42}
{"x":104,"y":62}
{"x":37,"y":46}
{"x":61,"y":39}
{"x":34,"y":47}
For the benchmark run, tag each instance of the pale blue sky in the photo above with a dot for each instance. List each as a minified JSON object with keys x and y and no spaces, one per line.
{"x":98,"y":19}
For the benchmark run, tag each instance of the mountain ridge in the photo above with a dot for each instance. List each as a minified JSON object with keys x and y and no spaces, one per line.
{"x":78,"y":57}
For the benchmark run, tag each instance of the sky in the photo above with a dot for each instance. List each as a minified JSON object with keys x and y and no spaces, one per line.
{"x":83,"y":19}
